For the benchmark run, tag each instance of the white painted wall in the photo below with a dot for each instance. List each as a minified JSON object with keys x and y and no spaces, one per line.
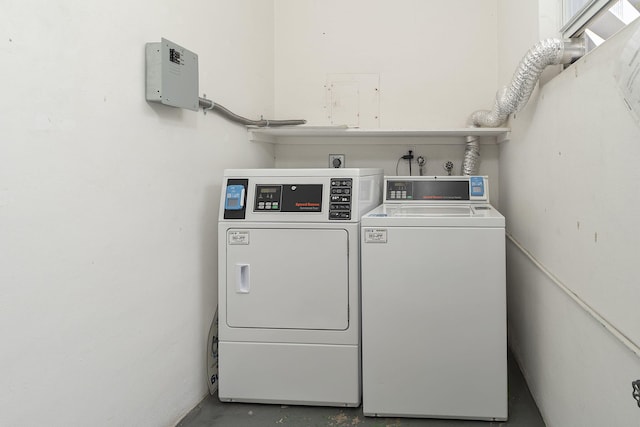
{"x":386,"y":156}
{"x":517,"y":32}
{"x":567,"y":174}
{"x":436,"y":62}
{"x":108,"y":205}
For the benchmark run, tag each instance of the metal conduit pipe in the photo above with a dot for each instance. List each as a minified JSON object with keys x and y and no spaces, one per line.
{"x":208,"y":104}
{"x":514,"y":97}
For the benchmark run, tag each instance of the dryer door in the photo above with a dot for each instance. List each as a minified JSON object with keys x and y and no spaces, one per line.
{"x":288,"y":279}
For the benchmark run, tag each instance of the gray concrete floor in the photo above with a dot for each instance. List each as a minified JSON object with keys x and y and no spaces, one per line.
{"x":211,"y":412}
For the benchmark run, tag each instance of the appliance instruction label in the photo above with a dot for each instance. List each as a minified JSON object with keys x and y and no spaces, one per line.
{"x":238,"y":237}
{"x":375,"y":235}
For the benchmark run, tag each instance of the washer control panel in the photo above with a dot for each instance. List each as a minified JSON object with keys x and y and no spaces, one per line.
{"x":341,"y":193}
{"x":436,"y":188}
{"x":476,"y":186}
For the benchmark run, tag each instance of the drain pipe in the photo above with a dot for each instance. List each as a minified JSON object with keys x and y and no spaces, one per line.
{"x":208,"y":104}
{"x":514,"y":97}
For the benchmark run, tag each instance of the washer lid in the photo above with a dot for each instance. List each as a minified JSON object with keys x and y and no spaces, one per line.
{"x":429,"y":210}
{"x":433,"y":215}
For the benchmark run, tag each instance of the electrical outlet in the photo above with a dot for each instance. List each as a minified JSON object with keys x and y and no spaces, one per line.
{"x":336,"y":160}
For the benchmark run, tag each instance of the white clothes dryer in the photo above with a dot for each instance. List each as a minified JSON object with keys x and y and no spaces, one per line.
{"x":433,"y":301}
{"x":289,"y":284}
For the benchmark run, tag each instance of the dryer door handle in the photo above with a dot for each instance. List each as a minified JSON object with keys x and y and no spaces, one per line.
{"x":243,"y":282}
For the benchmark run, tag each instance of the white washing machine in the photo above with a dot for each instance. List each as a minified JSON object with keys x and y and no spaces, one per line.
{"x":289,"y":284}
{"x":433,"y":301}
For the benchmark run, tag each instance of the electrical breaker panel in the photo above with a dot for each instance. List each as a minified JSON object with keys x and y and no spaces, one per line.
{"x":172,"y":75}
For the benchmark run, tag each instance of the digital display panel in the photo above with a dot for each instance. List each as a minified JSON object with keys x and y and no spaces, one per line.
{"x":268,"y":198}
{"x":441,"y":190}
{"x":288,"y":198}
{"x":428,"y":190}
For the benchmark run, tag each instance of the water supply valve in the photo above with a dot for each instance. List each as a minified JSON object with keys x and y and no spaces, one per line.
{"x":421,"y":162}
{"x":448,"y":166}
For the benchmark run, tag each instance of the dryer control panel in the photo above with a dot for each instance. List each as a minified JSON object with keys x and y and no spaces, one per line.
{"x":341,"y":192}
{"x":288,"y":198}
{"x":235,"y":198}
{"x":305,"y":198}
{"x":300,"y":195}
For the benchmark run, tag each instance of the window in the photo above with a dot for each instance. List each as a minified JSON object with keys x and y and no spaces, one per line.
{"x":597,"y":20}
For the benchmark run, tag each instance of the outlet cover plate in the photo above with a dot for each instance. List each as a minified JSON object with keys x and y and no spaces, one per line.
{"x":336,"y":160}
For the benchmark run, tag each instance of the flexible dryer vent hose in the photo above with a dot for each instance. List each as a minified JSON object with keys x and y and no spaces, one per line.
{"x":514,"y":97}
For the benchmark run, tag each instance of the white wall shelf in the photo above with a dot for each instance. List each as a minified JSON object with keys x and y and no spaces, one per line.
{"x":325,"y":135}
